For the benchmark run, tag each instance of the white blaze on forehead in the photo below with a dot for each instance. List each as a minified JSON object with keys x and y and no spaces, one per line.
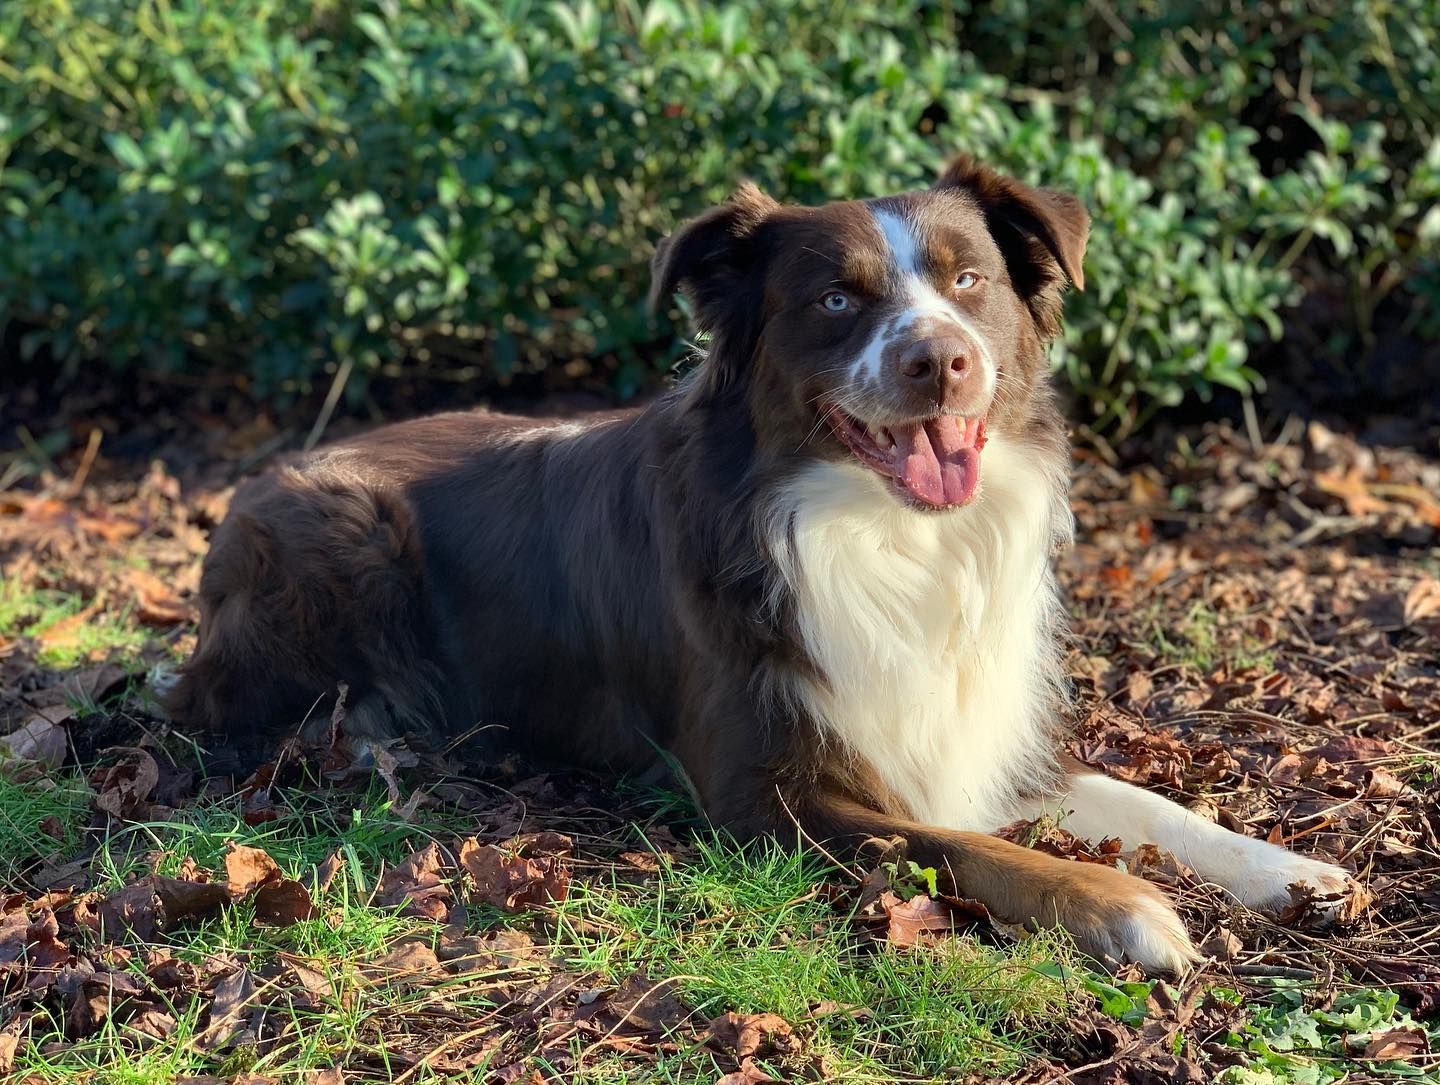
{"x":905,"y":247}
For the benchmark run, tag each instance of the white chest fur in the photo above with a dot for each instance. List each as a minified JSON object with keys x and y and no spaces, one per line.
{"x":936,"y":632}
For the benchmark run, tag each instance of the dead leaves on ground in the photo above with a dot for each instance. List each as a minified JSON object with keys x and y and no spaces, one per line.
{"x":532,"y":872}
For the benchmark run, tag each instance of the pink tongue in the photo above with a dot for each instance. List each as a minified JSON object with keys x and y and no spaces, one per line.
{"x":935,"y":463}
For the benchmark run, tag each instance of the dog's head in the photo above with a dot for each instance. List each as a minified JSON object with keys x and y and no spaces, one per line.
{"x":895,"y":331}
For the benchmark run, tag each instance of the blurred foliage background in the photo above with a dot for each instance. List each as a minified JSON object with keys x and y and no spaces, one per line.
{"x":284,"y":189}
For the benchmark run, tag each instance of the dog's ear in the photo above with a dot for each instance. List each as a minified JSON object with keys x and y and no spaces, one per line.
{"x":712,"y":260}
{"x":1040,"y":231}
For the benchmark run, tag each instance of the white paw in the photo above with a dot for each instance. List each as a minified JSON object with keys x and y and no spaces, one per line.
{"x":1271,"y":890}
{"x":1152,"y":936}
{"x":1128,"y":920}
{"x":1260,"y":874}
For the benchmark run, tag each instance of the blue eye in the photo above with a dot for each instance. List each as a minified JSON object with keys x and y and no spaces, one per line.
{"x":835,"y":302}
{"x":966,"y":280}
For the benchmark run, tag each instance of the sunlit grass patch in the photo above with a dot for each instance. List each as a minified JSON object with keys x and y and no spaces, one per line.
{"x":66,"y":631}
{"x":745,"y":929}
{"x":39,"y":816}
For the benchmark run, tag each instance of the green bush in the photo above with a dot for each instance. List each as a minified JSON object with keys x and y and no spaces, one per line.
{"x":275,"y":188}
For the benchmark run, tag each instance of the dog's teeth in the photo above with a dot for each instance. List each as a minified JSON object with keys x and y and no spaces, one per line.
{"x":880,"y":435}
{"x":960,"y":425}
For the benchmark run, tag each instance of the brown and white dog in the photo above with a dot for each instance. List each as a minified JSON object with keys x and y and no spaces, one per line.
{"x":817,"y":572}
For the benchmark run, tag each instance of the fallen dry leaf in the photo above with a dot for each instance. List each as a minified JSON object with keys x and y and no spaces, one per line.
{"x":407,"y":961}
{"x":908,"y":921}
{"x":748,"y":1074}
{"x":495,"y":951}
{"x":416,"y":885}
{"x":39,"y":740}
{"x":1396,"y":1044}
{"x":248,"y":868}
{"x":156,"y":603}
{"x":1352,"y":490}
{"x":123,"y":788}
{"x":513,"y":881}
{"x":9,"y":1042}
{"x":284,"y":902}
{"x":233,"y":995}
{"x":1422,"y":601}
{"x":66,"y":634}
{"x":326,"y":871}
{"x":640,"y":1006}
{"x":743,"y":1035}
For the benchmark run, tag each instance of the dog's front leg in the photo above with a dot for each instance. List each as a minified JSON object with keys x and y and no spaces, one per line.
{"x":1256,"y":872}
{"x":1111,"y":915}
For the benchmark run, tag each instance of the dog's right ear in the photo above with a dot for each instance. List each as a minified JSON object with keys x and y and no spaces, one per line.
{"x":712,"y":260}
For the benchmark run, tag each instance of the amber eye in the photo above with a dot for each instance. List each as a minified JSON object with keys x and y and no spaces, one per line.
{"x":835,"y":302}
{"x":966,"y":280}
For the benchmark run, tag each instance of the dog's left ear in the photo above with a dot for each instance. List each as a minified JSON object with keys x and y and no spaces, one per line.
{"x":1040,"y":231}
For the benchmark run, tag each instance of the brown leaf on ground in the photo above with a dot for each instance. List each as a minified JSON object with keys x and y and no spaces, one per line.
{"x":742,"y":1035}
{"x":150,"y":905}
{"x":1396,"y":1044}
{"x":134,"y":909}
{"x":409,"y":961}
{"x":495,"y":951}
{"x":542,"y":845}
{"x":909,"y":919}
{"x":40,"y":740}
{"x":181,"y":898}
{"x":169,"y":973}
{"x":232,"y":998}
{"x":1223,"y":945}
{"x":417,"y":884}
{"x":1422,"y":601}
{"x":326,"y":871}
{"x":123,"y":788}
{"x":92,"y":685}
{"x":284,"y":902}
{"x":9,"y":1043}
{"x":277,"y":899}
{"x":512,"y":881}
{"x":748,"y":1074}
{"x":90,"y":997}
{"x":248,"y":868}
{"x":1158,"y":865}
{"x":65,"y":634}
{"x":1352,"y":490}
{"x":332,"y":1076}
{"x":30,"y":941}
{"x":312,"y":987}
{"x":157,"y":603}
{"x":640,"y":1006}
{"x":153,"y":1021}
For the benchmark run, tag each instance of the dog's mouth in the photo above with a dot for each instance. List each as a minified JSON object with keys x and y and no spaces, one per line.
{"x":934,"y":461}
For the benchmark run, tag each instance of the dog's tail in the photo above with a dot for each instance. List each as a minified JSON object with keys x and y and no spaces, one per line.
{"x":313,"y":579}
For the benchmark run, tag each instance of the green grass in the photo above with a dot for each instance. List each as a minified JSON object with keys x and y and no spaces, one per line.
{"x":351,"y":930}
{"x":33,"y":612}
{"x":27,"y":809}
{"x":738,"y":928}
{"x":1199,"y":642}
{"x":743,"y":929}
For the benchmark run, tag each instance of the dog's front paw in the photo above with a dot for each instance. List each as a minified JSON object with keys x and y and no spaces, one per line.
{"x":1116,"y":917}
{"x":1267,"y":886}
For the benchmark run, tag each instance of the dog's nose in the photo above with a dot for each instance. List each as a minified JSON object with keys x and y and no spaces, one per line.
{"x":944,"y":361}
